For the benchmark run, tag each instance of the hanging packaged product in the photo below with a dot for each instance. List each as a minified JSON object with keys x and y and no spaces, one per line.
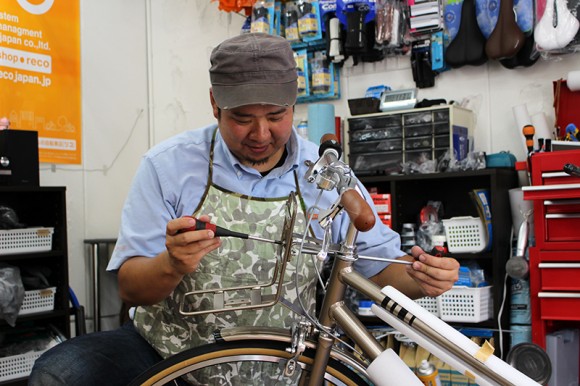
{"x":291,"y":22}
{"x":301,"y":57}
{"x":391,"y":28}
{"x":309,"y":20}
{"x":321,"y":79}
{"x":263,"y":17}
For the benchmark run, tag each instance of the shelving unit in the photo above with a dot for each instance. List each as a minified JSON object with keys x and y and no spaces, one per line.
{"x":410,"y":193}
{"x":43,"y":207}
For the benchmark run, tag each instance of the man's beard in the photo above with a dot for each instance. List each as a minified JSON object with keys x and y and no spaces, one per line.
{"x":256,"y":162}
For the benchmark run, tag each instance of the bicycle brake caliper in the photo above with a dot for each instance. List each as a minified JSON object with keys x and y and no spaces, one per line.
{"x":298,"y":337}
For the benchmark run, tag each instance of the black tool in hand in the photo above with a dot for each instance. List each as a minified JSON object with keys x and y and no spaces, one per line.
{"x":572,"y":170}
{"x":222,"y":232}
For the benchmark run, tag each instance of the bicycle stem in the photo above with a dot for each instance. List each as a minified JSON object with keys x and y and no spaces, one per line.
{"x":333,"y":308}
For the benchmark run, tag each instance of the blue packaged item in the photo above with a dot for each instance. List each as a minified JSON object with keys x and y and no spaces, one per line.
{"x":464,"y":277}
{"x":460,"y":142}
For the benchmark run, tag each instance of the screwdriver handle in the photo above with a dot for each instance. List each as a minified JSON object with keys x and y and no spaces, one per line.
{"x":217,"y":230}
{"x":529,"y":131}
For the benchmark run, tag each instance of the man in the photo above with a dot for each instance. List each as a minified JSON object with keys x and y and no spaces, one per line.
{"x":237,"y":174}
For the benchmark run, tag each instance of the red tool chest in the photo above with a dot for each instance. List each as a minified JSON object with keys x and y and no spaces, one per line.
{"x":555,"y":259}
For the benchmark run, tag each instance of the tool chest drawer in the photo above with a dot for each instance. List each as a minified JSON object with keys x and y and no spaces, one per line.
{"x":557,"y":256}
{"x":560,"y":276}
{"x":559,"y":305}
{"x":556,"y":215}
{"x":548,"y":168}
{"x":556,"y":197}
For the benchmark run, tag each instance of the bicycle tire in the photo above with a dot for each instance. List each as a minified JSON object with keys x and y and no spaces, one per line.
{"x":262,"y":352}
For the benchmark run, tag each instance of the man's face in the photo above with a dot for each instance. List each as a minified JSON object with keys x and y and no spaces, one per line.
{"x":256,"y":134}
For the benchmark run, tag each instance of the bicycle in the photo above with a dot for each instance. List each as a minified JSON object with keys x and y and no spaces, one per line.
{"x":309,"y":353}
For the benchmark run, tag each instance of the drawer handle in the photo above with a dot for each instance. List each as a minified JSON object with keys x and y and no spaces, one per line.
{"x":540,"y":188}
{"x":559,"y":265}
{"x":567,"y":295}
{"x":562,"y":202}
{"x":563,"y":215}
{"x":555,"y":174}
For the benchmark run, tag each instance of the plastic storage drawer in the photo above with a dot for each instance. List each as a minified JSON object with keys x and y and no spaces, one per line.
{"x":375,"y":134}
{"x":441,"y":128}
{"x":418,"y":156}
{"x":418,"y":130}
{"x":378,"y":146}
{"x":441,"y":115}
{"x":418,"y":118}
{"x":377,"y":162}
{"x":367,"y":123}
{"x":441,"y":141}
{"x":418,"y":143}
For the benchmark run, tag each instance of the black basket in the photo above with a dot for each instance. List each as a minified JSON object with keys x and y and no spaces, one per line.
{"x":364,"y":106}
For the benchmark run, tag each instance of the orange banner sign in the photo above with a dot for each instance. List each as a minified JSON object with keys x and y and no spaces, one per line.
{"x":40,"y":74}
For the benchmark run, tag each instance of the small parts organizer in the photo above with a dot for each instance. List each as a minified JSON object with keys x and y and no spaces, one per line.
{"x":25,"y":240}
{"x":461,"y":304}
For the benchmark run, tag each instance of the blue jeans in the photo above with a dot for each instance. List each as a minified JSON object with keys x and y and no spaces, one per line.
{"x":101,"y":358}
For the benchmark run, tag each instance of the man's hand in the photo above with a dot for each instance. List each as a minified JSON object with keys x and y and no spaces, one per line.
{"x":187,"y":248}
{"x":434,"y":275}
{"x":148,"y":280}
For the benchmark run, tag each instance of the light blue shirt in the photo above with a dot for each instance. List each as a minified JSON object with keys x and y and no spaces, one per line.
{"x":172,"y":178}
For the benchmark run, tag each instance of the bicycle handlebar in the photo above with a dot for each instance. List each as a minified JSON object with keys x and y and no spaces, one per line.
{"x":357,"y":208}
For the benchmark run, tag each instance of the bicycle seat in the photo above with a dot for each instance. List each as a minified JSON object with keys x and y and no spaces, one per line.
{"x":557,"y":26}
{"x":507,"y":38}
{"x":525,"y":57}
{"x":468,"y":47}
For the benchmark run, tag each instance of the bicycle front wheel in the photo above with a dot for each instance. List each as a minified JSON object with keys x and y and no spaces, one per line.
{"x":247,"y":362}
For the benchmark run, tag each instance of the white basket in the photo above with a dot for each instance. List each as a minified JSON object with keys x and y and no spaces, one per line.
{"x":466,"y":304}
{"x":430,"y":304}
{"x":25,"y":240}
{"x":465,"y":234}
{"x":38,"y":301}
{"x":18,"y":366}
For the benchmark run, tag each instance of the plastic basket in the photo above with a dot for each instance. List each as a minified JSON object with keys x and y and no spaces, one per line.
{"x":430,"y":304}
{"x":466,"y":304}
{"x":25,"y":240}
{"x":18,"y":366}
{"x":38,"y":301}
{"x":465,"y":234}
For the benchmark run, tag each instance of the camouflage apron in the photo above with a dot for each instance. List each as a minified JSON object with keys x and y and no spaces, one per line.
{"x":237,"y":262}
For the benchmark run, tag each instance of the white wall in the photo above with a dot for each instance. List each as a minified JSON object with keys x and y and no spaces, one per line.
{"x":144,"y":78}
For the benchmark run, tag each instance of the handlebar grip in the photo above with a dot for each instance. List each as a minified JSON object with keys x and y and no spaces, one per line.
{"x":329,"y":141}
{"x":358,"y":210}
{"x":328,"y":137}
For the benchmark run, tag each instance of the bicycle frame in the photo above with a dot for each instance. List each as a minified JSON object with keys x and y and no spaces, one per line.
{"x":396,"y":309}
